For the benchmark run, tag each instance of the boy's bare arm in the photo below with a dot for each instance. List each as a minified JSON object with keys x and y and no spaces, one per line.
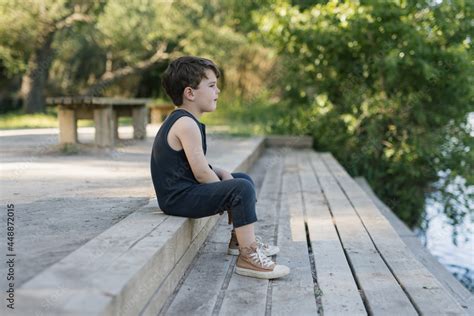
{"x":189,"y":135}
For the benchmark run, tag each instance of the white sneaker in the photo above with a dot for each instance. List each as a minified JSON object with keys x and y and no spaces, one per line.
{"x":268,"y":250}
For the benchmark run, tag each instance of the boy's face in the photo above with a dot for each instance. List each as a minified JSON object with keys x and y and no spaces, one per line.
{"x":205,"y":96}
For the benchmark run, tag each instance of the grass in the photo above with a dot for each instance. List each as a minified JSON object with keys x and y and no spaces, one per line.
{"x":216,"y":122}
{"x":222,"y":123}
{"x":15,"y":120}
{"x":253,"y":117}
{"x":18,"y":120}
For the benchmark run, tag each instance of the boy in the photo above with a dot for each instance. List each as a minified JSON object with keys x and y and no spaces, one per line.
{"x":186,"y":185}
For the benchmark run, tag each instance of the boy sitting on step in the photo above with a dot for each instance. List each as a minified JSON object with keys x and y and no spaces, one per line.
{"x":186,"y":185}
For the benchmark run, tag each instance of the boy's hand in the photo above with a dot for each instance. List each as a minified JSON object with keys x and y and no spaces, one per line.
{"x":222,"y":174}
{"x":226,"y":175}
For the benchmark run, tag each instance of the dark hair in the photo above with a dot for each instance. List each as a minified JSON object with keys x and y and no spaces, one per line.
{"x":185,"y":71}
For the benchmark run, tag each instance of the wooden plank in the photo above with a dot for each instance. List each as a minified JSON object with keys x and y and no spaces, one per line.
{"x":382,"y":293}
{"x":426,"y":293}
{"x":268,"y":199}
{"x":449,"y":282}
{"x":340,"y":294}
{"x":244,"y":296}
{"x":249,"y":295}
{"x":201,"y":286}
{"x":402,"y":229}
{"x":273,"y":163}
{"x":293,"y":294}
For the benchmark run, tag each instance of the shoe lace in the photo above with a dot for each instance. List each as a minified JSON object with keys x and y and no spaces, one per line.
{"x":261,"y":258}
{"x":260,"y":243}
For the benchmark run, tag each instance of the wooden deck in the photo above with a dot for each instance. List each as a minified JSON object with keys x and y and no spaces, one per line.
{"x":345,"y":257}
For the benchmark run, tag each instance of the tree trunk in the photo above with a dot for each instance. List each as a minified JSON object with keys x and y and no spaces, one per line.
{"x":34,"y":80}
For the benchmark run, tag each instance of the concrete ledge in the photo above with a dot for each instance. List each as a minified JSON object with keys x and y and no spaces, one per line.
{"x":168,"y":285}
{"x":133,"y":267}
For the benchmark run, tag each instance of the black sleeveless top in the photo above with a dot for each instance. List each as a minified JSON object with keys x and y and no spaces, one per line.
{"x":170,"y":170}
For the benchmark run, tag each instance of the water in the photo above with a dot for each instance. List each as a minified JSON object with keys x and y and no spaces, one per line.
{"x":437,"y":238}
{"x":454,"y":253}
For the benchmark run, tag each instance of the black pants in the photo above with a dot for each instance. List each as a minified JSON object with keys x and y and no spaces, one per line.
{"x":206,"y":199}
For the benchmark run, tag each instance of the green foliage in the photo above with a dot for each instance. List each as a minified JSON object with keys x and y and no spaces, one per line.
{"x":23,"y":23}
{"x":123,"y":34}
{"x":381,"y":85}
{"x":15,"y":43}
{"x":130,"y":30}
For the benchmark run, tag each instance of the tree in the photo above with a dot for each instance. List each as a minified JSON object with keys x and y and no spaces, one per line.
{"x":101,"y":48}
{"x":380,"y":85}
{"x":39,"y":22}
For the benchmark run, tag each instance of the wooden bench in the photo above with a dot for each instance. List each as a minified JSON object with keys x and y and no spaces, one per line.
{"x":104,"y":111}
{"x":158,"y":112}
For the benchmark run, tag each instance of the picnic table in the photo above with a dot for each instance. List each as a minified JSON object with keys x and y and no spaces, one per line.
{"x":104,"y":111}
{"x":158,"y":112}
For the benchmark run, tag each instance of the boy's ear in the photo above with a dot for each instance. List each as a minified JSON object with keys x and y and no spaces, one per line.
{"x":188,"y":93}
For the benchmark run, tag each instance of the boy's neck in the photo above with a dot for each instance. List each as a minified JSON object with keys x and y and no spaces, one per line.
{"x":197,"y":114}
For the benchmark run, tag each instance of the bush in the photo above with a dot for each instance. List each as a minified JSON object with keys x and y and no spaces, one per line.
{"x":380,"y":85}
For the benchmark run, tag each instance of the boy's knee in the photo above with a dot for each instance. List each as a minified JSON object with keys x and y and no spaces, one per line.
{"x":241,"y":175}
{"x":251,"y":180}
{"x":244,"y":186}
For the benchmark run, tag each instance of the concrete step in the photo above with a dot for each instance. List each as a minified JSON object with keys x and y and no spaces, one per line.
{"x":133,"y":267}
